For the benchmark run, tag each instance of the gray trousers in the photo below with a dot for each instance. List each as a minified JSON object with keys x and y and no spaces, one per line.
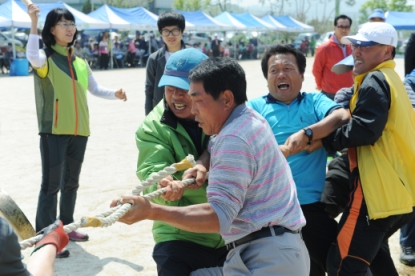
{"x":284,"y":254}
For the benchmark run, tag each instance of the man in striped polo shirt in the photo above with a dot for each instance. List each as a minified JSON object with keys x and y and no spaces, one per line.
{"x":252,"y":199}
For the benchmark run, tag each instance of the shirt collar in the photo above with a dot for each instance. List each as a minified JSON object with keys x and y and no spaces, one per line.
{"x":234,"y":114}
{"x":338,"y":43}
{"x":62,"y":50}
{"x":269,"y":99}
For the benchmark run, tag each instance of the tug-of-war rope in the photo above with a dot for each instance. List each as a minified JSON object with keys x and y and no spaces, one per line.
{"x":114,"y":214}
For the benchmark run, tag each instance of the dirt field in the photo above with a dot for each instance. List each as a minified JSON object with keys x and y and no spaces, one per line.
{"x":108,"y":171}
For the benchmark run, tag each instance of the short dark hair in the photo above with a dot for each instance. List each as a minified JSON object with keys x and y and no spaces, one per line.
{"x":53,"y":17}
{"x":171,"y":18}
{"x":342,"y":16}
{"x":283,"y":49}
{"x":220,"y":74}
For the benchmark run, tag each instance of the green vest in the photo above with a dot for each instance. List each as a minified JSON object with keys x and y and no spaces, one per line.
{"x":60,"y":92}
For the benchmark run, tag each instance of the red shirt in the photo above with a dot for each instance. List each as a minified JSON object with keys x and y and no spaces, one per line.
{"x":327,"y":55}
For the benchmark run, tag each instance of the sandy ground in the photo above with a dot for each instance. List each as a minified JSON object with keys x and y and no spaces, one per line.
{"x":108,"y":171}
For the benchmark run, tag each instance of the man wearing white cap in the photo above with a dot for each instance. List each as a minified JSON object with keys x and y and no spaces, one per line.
{"x":382,"y":158}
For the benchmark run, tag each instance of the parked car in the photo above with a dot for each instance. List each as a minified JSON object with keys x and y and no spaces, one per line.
{"x":192,"y":38}
{"x":5,"y":40}
{"x":323,"y":38}
{"x":302,"y":36}
{"x":21,"y":36}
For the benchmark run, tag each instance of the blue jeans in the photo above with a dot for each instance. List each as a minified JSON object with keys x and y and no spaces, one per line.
{"x":62,"y":157}
{"x":408,"y":234}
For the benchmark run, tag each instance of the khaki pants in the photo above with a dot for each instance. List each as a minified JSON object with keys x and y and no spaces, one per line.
{"x":284,"y":254}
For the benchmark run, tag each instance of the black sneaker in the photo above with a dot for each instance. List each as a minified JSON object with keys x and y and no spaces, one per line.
{"x":63,"y":254}
{"x":407,"y":256}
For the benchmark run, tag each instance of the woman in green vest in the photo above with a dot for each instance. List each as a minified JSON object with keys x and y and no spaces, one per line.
{"x":61,"y":84}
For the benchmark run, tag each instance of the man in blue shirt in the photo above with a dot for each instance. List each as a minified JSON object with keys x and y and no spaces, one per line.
{"x":299,"y":120}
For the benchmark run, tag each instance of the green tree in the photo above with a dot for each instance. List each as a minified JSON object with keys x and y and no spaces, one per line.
{"x":337,"y":5}
{"x":127,"y":3}
{"x":399,"y":6}
{"x":87,"y":7}
{"x":386,"y":5}
{"x":190,"y":5}
{"x":179,"y":4}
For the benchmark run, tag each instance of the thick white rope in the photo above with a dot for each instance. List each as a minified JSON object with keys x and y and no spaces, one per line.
{"x":109,"y":217}
{"x":156,"y":177}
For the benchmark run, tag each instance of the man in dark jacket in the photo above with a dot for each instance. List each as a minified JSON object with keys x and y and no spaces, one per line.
{"x":171,"y":26}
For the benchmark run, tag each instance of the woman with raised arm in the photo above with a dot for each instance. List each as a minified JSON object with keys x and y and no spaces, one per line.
{"x":61,"y":82}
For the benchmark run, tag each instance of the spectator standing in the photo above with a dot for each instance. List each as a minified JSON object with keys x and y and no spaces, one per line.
{"x":312,"y":46}
{"x":61,"y":84}
{"x":131,"y":52}
{"x":152,"y":44}
{"x":307,"y":45}
{"x":226,"y":51}
{"x":328,"y":54}
{"x":208,"y":47}
{"x":103,"y":52}
{"x":171,"y":26}
{"x":142,"y":51}
{"x":215,"y":47}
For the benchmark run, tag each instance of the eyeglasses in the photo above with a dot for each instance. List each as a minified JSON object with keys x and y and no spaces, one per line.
{"x":343,"y":27}
{"x":174,"y":32}
{"x":67,"y":25}
{"x":362,"y":48}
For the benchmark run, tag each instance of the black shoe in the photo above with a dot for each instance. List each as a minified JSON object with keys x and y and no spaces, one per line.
{"x":63,"y":254}
{"x":407,"y":256}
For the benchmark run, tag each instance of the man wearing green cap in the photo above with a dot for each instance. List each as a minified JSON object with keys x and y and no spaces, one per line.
{"x":168,"y":134}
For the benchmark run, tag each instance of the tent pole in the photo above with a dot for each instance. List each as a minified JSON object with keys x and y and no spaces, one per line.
{"x":110,"y":47}
{"x":14,"y":45}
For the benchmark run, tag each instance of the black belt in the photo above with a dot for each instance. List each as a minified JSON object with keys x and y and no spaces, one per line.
{"x":263,"y":233}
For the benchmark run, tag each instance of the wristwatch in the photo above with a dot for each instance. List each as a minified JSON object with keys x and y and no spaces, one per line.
{"x":309,"y":133}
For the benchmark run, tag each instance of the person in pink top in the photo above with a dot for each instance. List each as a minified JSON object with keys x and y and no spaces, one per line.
{"x":103,"y":52}
{"x":131,"y":52}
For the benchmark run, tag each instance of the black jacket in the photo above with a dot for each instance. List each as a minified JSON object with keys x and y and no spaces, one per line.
{"x":154,"y":71}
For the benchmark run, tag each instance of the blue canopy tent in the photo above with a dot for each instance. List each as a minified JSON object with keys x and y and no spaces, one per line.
{"x":290,"y":24}
{"x":205,"y":22}
{"x":228,"y":19}
{"x":269,"y":19}
{"x":83,"y":21}
{"x":106,"y":14}
{"x":4,"y":22}
{"x":14,"y":17}
{"x":401,"y":20}
{"x":251,"y":23}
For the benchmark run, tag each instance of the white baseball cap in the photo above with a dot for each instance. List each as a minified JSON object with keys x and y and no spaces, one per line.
{"x":373,"y":33}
